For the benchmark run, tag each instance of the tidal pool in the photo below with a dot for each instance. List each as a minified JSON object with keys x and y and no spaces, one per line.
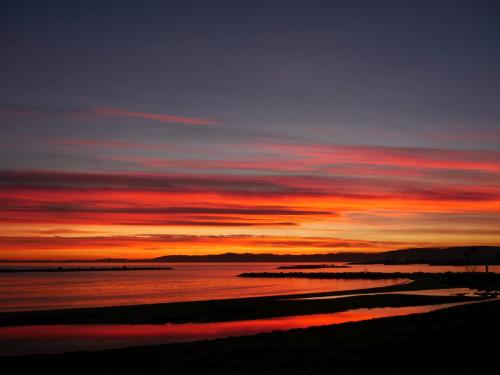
{"x":65,"y":338}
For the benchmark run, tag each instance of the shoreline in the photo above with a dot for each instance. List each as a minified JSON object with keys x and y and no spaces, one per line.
{"x":440,"y":338}
{"x":249,"y":307}
{"x":445,"y":341}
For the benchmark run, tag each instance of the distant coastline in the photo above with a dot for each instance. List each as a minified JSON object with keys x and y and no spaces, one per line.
{"x":310,"y":266}
{"x":84,"y":269}
{"x":451,"y":256}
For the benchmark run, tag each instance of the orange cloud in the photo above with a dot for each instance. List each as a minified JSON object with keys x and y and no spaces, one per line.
{"x":157,"y":245}
{"x":377,"y":193}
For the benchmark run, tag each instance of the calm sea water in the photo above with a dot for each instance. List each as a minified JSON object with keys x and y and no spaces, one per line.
{"x":186,"y":282}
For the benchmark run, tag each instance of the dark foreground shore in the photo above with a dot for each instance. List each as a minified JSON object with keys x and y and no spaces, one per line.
{"x":459,"y":340}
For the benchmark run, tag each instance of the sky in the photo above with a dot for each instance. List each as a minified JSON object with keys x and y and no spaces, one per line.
{"x":137,"y":129}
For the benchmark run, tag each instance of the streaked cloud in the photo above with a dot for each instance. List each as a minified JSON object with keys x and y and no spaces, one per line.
{"x":157,"y":245}
{"x":117,"y":112}
{"x":103,"y":112}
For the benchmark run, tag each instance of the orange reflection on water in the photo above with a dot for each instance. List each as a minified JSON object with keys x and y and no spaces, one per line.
{"x":62,"y":338}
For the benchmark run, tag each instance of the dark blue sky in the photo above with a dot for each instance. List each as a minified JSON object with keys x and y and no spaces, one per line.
{"x":378,"y":72}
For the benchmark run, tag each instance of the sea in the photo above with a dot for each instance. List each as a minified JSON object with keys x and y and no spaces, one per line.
{"x":185,"y":282}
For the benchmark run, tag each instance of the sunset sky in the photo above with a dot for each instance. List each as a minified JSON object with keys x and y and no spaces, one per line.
{"x":202,"y":127}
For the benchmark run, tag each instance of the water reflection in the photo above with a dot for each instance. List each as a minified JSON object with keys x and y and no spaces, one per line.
{"x":421,"y":292}
{"x":186,"y":282}
{"x":64,"y":338}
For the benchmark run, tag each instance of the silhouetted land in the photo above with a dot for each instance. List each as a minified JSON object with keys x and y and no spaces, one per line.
{"x":335,"y":275}
{"x":83,"y":269}
{"x":450,"y":341}
{"x":310,"y":266}
{"x":458,"y":255}
{"x":477,"y":280}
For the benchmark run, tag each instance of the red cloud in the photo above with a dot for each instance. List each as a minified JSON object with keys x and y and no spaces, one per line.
{"x":102,"y":112}
{"x":216,"y":200}
{"x":425,"y":158}
{"x":117,"y":112}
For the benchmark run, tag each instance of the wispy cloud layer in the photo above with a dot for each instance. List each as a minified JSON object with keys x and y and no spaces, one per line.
{"x":355,"y":207}
{"x":156,"y":245}
{"x":136,"y":186}
{"x":117,"y":112}
{"x":103,"y":112}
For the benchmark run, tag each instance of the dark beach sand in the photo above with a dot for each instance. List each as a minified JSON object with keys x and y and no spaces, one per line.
{"x":450,"y":341}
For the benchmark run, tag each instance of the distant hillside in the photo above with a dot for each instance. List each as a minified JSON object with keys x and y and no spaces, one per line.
{"x":459,"y":255}
{"x":462,"y":255}
{"x":249,"y":257}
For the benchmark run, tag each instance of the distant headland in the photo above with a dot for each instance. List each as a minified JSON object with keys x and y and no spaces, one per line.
{"x":83,"y":269}
{"x":458,"y":255}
